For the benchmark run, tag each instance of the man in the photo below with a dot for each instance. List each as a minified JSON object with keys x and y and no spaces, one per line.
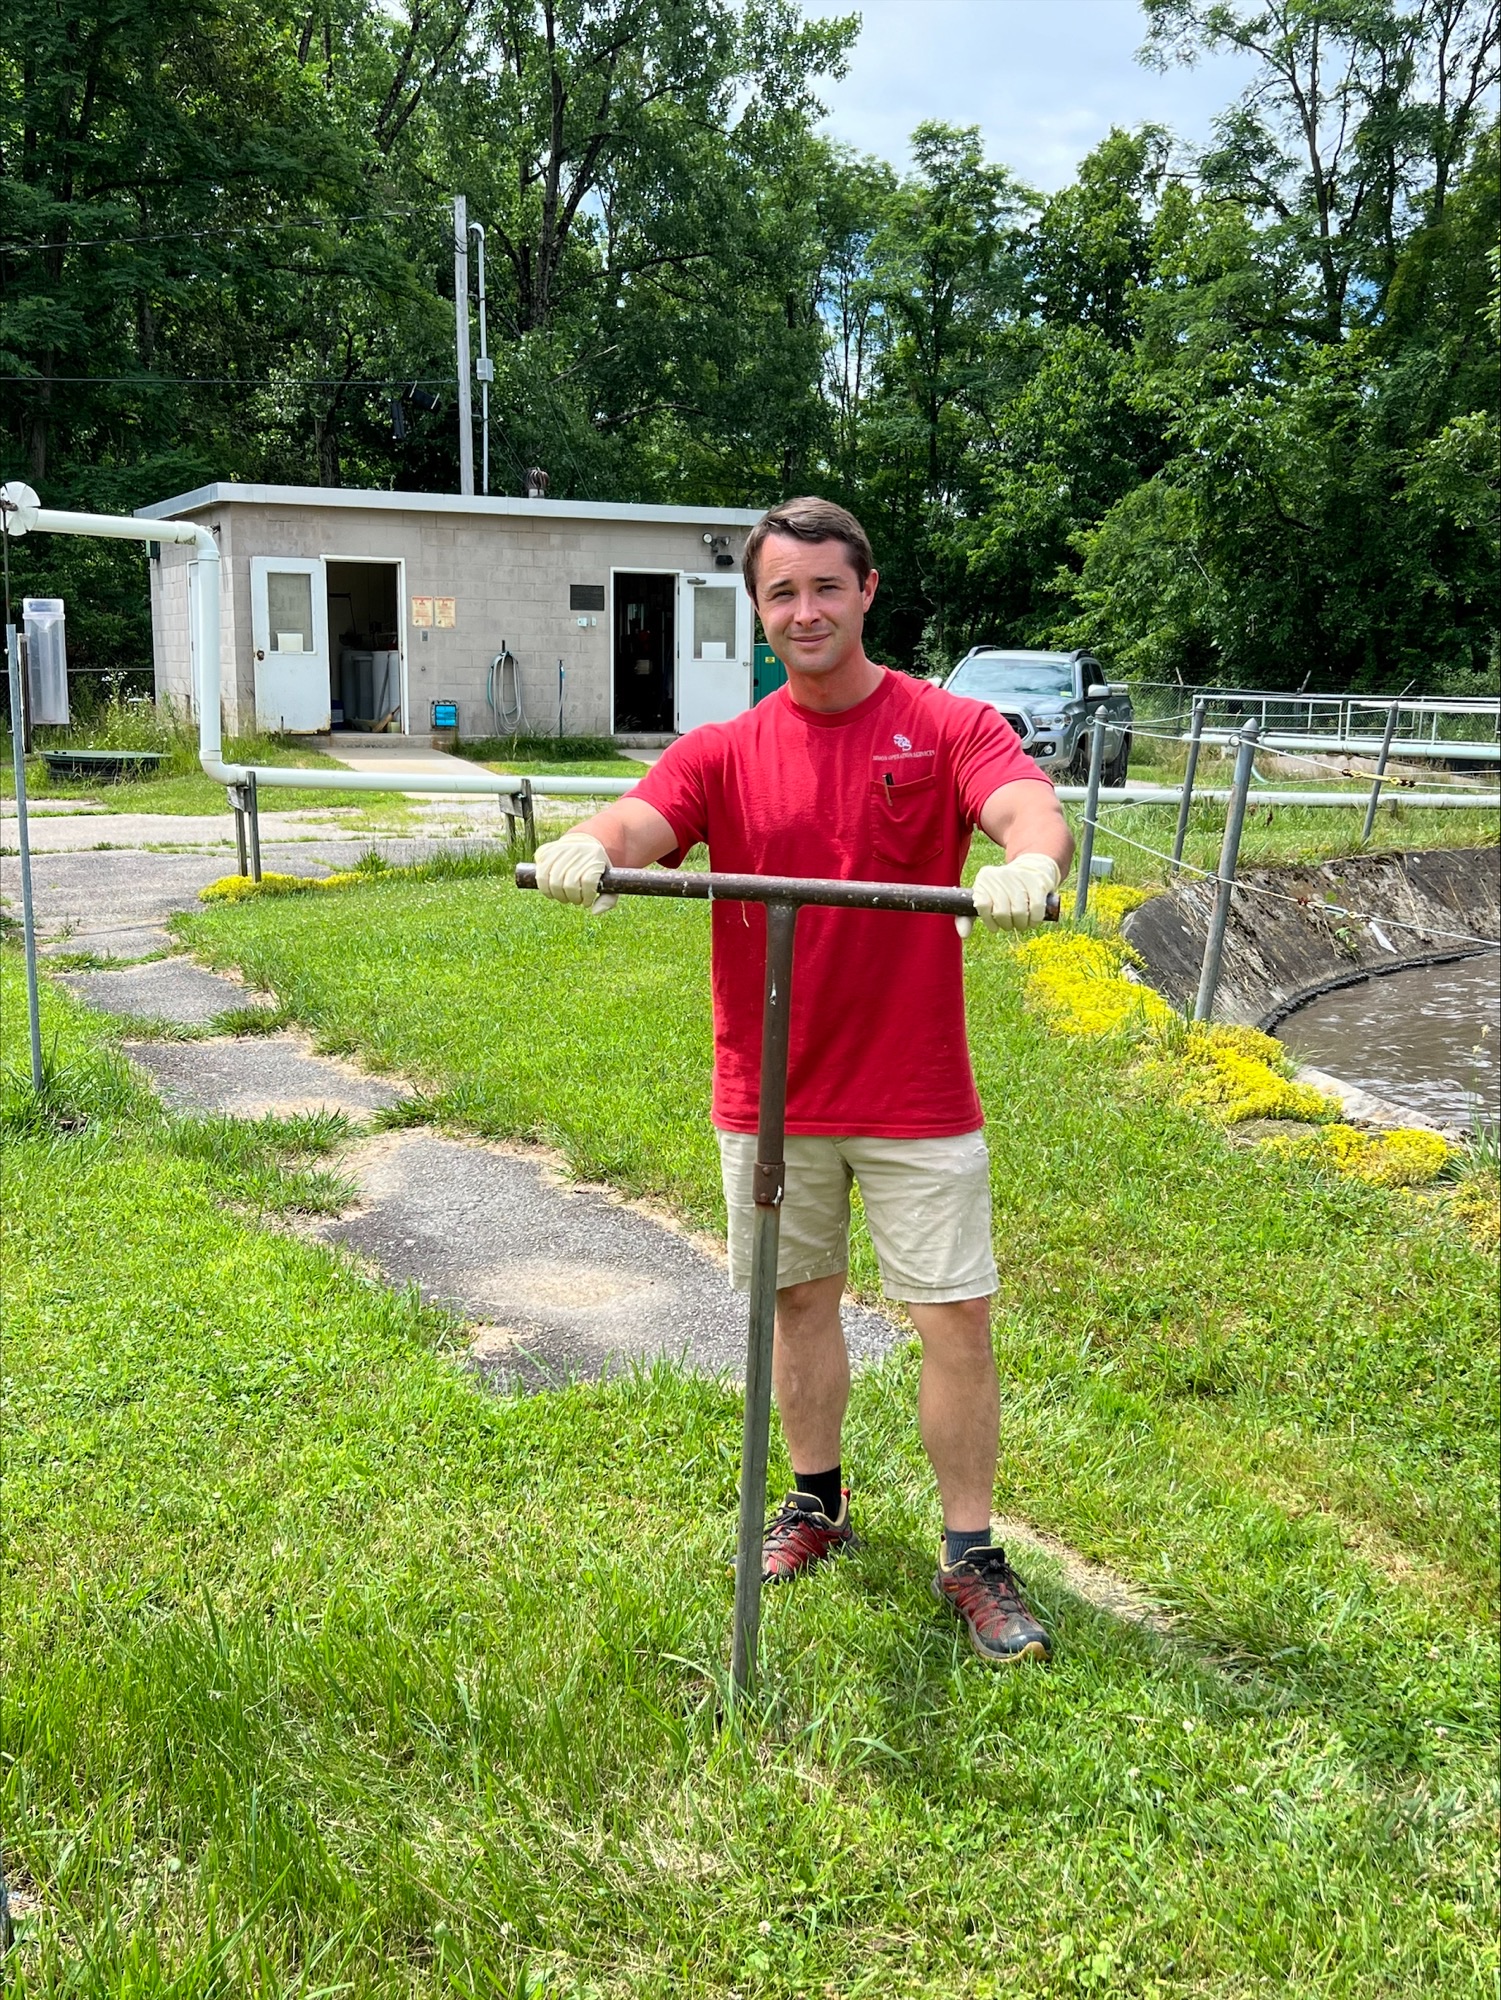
{"x":853,"y":771}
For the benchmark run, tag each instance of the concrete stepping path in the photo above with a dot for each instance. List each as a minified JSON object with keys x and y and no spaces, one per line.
{"x":167,"y":989}
{"x":569,"y":1280}
{"x":74,"y":833}
{"x":258,"y":1076}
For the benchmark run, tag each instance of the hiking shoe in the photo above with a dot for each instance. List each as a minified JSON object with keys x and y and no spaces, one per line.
{"x":801,"y":1534}
{"x":984,"y":1591}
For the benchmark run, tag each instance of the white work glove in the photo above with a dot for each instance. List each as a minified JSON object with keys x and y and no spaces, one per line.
{"x":1015,"y":896}
{"x":569,"y":871}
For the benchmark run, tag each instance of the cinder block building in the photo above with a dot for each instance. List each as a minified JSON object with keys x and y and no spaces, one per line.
{"x":364,"y":609}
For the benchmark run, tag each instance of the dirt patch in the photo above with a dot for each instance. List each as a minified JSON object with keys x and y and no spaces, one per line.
{"x":1098,"y":1586}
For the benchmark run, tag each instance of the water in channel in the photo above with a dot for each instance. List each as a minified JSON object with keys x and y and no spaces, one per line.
{"x":1425,"y":1039}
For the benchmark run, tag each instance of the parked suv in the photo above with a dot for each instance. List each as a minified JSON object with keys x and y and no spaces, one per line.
{"x":1047,"y":699}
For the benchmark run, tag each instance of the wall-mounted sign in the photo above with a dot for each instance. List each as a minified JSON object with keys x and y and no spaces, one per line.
{"x":446,"y":612}
{"x":586,"y":597}
{"x":422,"y":611}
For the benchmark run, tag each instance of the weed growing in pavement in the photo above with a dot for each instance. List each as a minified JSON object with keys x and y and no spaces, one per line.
{"x":74,"y":1093}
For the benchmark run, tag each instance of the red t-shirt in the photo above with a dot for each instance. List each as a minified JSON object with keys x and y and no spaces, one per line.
{"x":887,"y":791}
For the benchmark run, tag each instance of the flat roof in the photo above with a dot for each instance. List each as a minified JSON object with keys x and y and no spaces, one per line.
{"x":494,"y":507}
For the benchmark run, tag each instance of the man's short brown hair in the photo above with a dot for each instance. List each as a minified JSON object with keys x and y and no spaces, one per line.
{"x":808,"y":520}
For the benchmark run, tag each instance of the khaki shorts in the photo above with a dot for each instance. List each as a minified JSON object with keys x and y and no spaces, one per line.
{"x":927,"y":1202}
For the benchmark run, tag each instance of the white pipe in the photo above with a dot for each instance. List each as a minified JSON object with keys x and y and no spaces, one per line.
{"x":1169,"y":795}
{"x":1459,"y":749}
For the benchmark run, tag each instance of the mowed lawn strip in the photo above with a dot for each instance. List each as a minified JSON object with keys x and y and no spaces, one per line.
{"x":308,"y":1635}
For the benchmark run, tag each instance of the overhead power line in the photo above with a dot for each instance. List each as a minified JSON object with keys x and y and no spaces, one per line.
{"x":221,"y":230}
{"x":239,"y":381}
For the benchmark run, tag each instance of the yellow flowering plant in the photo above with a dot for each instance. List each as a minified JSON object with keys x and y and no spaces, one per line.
{"x":240,"y":888}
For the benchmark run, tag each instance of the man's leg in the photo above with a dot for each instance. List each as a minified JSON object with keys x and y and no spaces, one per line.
{"x":810,"y":1371}
{"x":959,"y":1408}
{"x":928,"y":1205}
{"x":810,"y":1367}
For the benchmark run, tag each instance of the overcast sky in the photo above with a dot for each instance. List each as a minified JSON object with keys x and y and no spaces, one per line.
{"x":1043,"y":79}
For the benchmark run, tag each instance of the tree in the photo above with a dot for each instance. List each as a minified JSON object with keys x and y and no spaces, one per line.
{"x":1351,"y":133}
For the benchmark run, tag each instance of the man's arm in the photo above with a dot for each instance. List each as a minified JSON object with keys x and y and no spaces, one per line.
{"x":1024,"y":819}
{"x":631,"y":832}
{"x":627,"y":834}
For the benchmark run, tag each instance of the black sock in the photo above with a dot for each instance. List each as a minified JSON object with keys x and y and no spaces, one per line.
{"x":957,"y":1543}
{"x":827,"y":1488}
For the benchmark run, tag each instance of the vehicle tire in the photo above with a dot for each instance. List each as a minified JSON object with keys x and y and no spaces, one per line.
{"x":1078,"y":764}
{"x":1114,"y":773}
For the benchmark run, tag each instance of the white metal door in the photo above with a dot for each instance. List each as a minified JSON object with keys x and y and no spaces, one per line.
{"x":289,"y":631}
{"x":714,"y":650}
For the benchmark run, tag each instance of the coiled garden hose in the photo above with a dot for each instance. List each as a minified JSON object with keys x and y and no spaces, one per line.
{"x":506,"y":717}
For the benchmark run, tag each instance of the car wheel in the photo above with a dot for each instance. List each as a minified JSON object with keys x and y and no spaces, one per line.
{"x":1078,"y":768}
{"x":1115,"y":771}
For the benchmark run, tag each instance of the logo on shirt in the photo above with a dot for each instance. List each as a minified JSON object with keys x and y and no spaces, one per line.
{"x":902,"y":742}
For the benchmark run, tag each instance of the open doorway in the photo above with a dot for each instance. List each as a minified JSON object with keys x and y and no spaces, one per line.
{"x":364,"y":627}
{"x":645,"y":652}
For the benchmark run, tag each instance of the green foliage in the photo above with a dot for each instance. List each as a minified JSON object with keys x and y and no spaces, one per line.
{"x":1231,"y":417}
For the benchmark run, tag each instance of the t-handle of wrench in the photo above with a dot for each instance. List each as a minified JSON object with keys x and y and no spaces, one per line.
{"x":783,"y":897}
{"x":692,"y":885}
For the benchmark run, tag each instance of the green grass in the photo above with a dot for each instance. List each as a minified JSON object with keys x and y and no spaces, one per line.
{"x":565,"y":756}
{"x":1275,"y":835}
{"x":328,"y":1673}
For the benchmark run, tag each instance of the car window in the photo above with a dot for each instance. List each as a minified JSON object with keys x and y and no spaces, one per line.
{"x":990,"y":674}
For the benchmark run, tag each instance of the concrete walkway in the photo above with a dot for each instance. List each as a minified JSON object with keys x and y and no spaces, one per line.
{"x":114,"y":901}
{"x":75,"y":832}
{"x":393,"y":755}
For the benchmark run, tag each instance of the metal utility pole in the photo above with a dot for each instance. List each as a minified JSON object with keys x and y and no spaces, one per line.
{"x":484,"y":368}
{"x":461,"y":340}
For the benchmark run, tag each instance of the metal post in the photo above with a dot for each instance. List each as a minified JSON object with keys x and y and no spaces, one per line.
{"x":484,"y":370}
{"x":1235,"y":819}
{"x":1091,"y":814}
{"x":781,"y":924}
{"x":528,"y":818}
{"x":23,"y":842}
{"x":461,"y":340}
{"x":1386,"y":750}
{"x":237,"y":800}
{"x":1185,"y":803}
{"x":253,"y":816}
{"x":23,"y":660}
